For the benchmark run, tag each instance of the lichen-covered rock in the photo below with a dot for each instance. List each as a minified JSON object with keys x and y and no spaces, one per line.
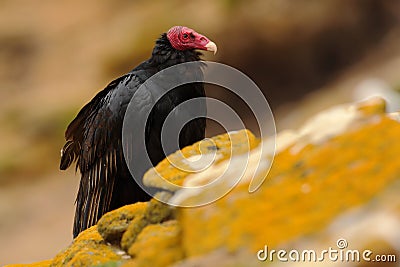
{"x":165,"y":242}
{"x":113,"y":224}
{"x":155,"y":212}
{"x":170,"y":173}
{"x":88,"y":249}
{"x":222,"y":257}
{"x":314,"y":179}
{"x":336,"y":177}
{"x":110,"y":264}
{"x":45,"y":263}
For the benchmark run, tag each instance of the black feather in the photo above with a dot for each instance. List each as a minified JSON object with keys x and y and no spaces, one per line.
{"x":94,"y":136}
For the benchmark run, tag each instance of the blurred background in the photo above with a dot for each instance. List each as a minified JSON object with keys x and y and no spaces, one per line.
{"x":305,"y":55}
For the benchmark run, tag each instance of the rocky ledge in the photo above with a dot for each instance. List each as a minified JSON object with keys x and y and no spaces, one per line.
{"x":334,"y":180}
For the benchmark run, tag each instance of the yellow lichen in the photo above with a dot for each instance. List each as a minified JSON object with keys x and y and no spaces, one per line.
{"x":164,"y":241}
{"x":303,"y":192}
{"x":113,"y":224}
{"x":372,"y":106}
{"x":155,"y":212}
{"x":174,"y":169}
{"x":133,"y":230}
{"x":87,"y":249}
{"x":45,"y":263}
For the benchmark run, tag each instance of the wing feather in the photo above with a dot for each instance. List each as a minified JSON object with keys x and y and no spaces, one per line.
{"x":93,"y":142}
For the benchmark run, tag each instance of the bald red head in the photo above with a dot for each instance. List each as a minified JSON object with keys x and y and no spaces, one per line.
{"x":184,"y":38}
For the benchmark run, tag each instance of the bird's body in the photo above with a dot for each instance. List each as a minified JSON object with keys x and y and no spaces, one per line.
{"x":94,"y":137}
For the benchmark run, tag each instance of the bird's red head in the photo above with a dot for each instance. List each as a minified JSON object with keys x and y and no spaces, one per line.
{"x":184,"y":38}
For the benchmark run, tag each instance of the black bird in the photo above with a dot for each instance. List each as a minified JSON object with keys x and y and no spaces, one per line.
{"x":94,"y":137}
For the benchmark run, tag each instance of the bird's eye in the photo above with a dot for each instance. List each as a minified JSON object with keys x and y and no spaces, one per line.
{"x":185,"y":36}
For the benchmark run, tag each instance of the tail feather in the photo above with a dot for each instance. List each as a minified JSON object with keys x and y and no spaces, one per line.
{"x":67,"y":155}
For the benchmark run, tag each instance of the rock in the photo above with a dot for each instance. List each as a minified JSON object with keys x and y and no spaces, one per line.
{"x":155,"y":212}
{"x":170,"y":173}
{"x":113,"y":224}
{"x":165,"y":242}
{"x":334,"y":181}
{"x":88,"y":249}
{"x":221,"y":257}
{"x":45,"y":263}
{"x":319,"y":174}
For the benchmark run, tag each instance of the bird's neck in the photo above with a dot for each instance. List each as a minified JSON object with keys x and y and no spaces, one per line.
{"x":165,"y":55}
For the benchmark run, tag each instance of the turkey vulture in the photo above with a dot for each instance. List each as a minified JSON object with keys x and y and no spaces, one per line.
{"x":94,"y":137}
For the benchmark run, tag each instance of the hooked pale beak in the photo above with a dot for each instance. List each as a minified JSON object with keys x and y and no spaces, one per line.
{"x":211,"y":46}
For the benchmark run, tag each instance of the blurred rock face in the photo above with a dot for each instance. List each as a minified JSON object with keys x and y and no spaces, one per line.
{"x":292,"y":48}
